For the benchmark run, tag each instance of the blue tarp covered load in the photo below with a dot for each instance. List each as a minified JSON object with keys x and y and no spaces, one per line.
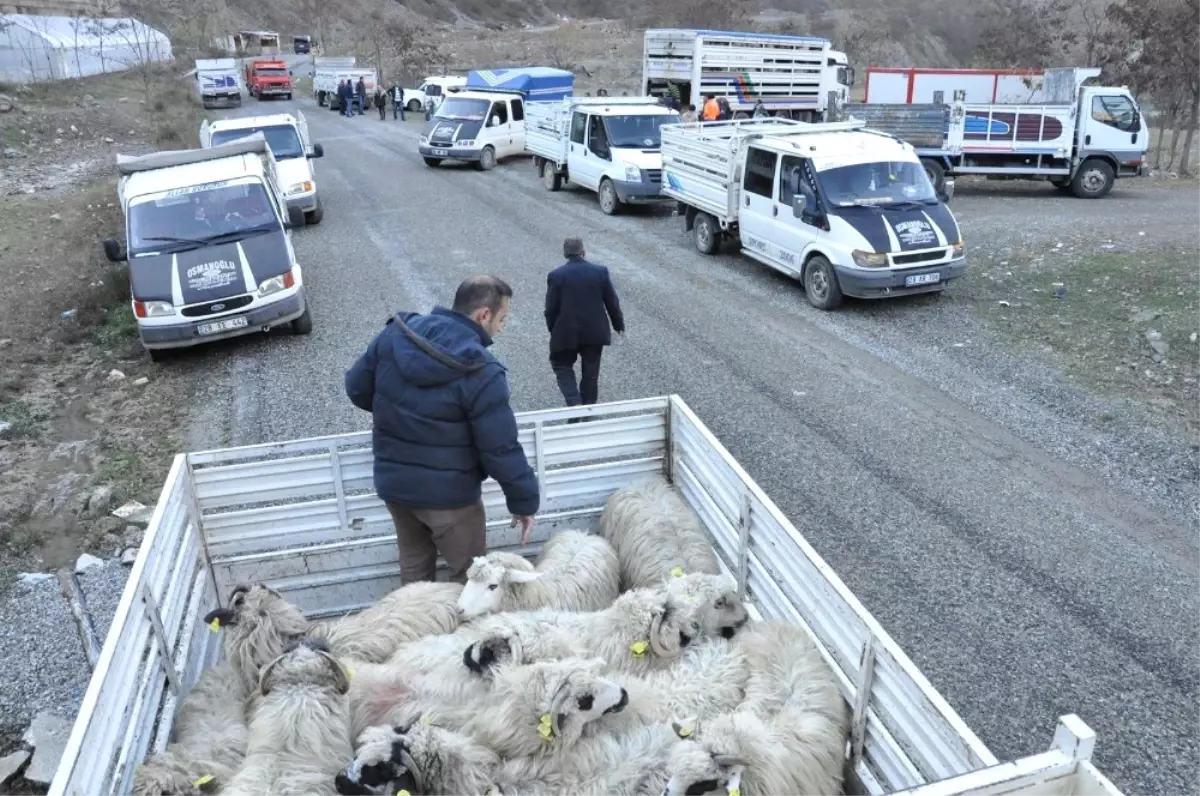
{"x":536,"y":83}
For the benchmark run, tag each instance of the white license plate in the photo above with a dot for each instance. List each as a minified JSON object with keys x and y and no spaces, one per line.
{"x":443,"y":152}
{"x":222,"y":326}
{"x":922,"y":279}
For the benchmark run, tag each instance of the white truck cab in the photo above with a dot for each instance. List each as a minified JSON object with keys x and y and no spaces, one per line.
{"x":208,"y":245}
{"x":287,"y":135}
{"x":431,"y":92}
{"x":481,"y":127}
{"x":847,"y":211}
{"x":610,"y":145}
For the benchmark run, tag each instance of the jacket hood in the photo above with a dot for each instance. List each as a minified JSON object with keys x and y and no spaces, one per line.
{"x":438,"y":348}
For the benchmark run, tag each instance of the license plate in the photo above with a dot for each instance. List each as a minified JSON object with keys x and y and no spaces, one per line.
{"x":443,"y":152}
{"x":222,"y":326}
{"x":922,"y":279}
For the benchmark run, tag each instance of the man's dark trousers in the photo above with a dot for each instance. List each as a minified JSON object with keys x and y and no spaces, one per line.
{"x":587,"y":389}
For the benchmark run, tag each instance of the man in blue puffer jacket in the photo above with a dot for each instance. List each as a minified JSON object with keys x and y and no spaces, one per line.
{"x":442,"y":424}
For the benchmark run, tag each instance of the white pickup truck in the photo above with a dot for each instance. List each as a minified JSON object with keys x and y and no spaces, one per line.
{"x":609,"y":145}
{"x":219,"y":82}
{"x":209,"y":245}
{"x":844,"y":210}
{"x":301,"y":517}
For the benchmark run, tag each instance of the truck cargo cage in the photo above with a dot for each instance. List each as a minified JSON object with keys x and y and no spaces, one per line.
{"x":302,"y":517}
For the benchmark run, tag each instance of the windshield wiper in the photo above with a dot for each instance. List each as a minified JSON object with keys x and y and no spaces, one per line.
{"x":237,"y":234}
{"x":171,"y":239}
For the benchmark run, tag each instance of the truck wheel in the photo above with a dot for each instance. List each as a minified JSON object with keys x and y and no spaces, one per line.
{"x":315,"y":215}
{"x":550,"y":176}
{"x":936,"y":174}
{"x":303,"y":324}
{"x":1093,"y":180}
{"x":610,"y":203}
{"x":433,"y":162}
{"x":487,"y":158}
{"x":414,"y":106}
{"x":820,"y":284}
{"x":289,"y":96}
{"x":739,"y":115}
{"x":705,"y":231}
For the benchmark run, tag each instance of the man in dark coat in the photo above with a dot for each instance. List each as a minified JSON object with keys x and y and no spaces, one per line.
{"x":580,"y":306}
{"x":360,"y":94}
{"x":442,"y":424}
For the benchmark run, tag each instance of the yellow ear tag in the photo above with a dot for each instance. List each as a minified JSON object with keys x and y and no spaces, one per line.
{"x":677,"y":572}
{"x":215,"y":625}
{"x":638,"y":648}
{"x":204,"y":780}
{"x":685,"y":732}
{"x":427,"y":718}
{"x":544,"y":728}
{"x":401,"y":792}
{"x":735,"y":791}
{"x":349,"y":673}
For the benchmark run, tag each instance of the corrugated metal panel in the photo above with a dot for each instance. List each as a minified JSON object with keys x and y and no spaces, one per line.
{"x":919,"y":125}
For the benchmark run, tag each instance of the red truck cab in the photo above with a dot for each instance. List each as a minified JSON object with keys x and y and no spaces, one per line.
{"x":269,"y":77}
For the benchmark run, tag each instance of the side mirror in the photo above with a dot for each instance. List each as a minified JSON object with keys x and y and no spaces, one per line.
{"x":318,"y":151}
{"x":948,"y":189}
{"x":112,"y":250}
{"x":799,"y":203}
{"x":295,"y":217}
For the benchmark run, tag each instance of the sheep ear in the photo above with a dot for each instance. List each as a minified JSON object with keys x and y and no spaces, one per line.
{"x":262,"y":675}
{"x":728,"y":761}
{"x":341,"y":678}
{"x":518,"y":576}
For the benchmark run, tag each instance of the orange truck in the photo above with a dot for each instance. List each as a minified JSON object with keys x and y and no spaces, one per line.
{"x":269,"y":77}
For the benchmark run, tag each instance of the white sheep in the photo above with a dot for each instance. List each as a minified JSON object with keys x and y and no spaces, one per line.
{"x":299,"y":730}
{"x":575,"y":571}
{"x":409,"y":613}
{"x":258,"y":625}
{"x":719,"y":609}
{"x":209,"y":738}
{"x":420,"y":758}
{"x":787,"y":737}
{"x":655,"y":535}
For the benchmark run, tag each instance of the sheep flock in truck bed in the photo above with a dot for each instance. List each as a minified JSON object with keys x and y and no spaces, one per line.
{"x":618,"y":663}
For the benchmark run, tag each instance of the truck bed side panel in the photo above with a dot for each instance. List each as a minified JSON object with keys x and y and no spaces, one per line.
{"x":1033,"y":129}
{"x":919,"y":125}
{"x":547,"y":130}
{"x":699,"y":168}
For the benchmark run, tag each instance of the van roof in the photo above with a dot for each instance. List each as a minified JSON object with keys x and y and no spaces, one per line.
{"x":839,"y":148}
{"x":252,"y":121}
{"x":226,"y":168}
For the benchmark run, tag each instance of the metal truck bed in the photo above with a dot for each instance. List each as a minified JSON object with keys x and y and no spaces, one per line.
{"x":547,"y":127}
{"x":919,"y":125}
{"x":302,"y":517}
{"x":1002,"y":129}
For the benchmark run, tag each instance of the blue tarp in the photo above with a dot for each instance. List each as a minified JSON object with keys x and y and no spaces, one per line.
{"x":536,"y":83}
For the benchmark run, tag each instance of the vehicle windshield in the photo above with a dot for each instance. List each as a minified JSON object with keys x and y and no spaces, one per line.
{"x":283,"y":139}
{"x":189,"y":218}
{"x":271,"y":72}
{"x":638,"y":130}
{"x":877,"y":184}
{"x":471,"y":110}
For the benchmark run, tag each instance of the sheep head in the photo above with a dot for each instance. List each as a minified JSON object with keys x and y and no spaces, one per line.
{"x":488,"y":578}
{"x":307,"y":662}
{"x":482,"y":655}
{"x":383,"y":764}
{"x":258,"y":624}
{"x":418,"y":758}
{"x":672,"y":627}
{"x":707,"y":763}
{"x":713,"y":601}
{"x":563,"y":696}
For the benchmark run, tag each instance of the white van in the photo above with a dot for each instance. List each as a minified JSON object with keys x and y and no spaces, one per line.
{"x":609,"y":145}
{"x":432,"y":90}
{"x":287,"y":135}
{"x":481,"y":127}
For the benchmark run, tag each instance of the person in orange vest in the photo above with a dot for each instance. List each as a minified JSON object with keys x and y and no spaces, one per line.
{"x":711,"y":111}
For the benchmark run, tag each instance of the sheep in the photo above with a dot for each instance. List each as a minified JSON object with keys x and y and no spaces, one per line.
{"x":299,"y":733}
{"x":419,"y":758}
{"x":209,"y":738}
{"x":258,"y":625}
{"x":787,"y":737}
{"x":655,"y":535}
{"x":575,"y":571}
{"x":406,"y":614}
{"x":642,"y":630}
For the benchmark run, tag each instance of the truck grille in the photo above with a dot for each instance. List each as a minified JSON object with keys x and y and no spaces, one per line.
{"x":918,"y":257}
{"x":654,"y":175}
{"x":213,"y":307}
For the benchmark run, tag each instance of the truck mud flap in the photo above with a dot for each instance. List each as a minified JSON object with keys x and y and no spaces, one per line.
{"x":689,"y":215}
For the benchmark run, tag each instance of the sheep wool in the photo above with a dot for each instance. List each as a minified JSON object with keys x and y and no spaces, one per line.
{"x":420,"y":758}
{"x":257,"y":626}
{"x":575,"y":571}
{"x":300,"y":733}
{"x":209,"y":738}
{"x":655,"y":535}
{"x":409,"y":613}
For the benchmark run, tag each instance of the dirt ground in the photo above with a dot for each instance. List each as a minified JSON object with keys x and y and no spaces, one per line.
{"x":91,"y":423}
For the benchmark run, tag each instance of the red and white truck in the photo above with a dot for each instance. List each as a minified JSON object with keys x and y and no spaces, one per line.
{"x":914,"y":85}
{"x":269,"y":77}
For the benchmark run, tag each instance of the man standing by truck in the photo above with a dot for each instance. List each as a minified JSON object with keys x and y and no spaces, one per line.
{"x":580,"y":306}
{"x":442,"y":424}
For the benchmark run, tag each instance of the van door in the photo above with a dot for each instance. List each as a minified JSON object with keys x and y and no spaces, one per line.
{"x":516,"y":117}
{"x":598,"y":155}
{"x":499,"y":131}
{"x":759,"y":212}
{"x":576,"y":149}
{"x":205,"y":134}
{"x":1112,"y":124}
{"x":792,"y":236}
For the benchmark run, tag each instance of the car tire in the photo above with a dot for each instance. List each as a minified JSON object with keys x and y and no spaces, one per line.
{"x":610,"y":203}
{"x":303,"y":324}
{"x":414,"y":107}
{"x":1093,"y":180}
{"x":315,"y":215}
{"x":487,"y":158}
{"x":433,"y":163}
{"x":289,"y":97}
{"x":820,"y":284}
{"x":550,"y":176}
{"x":706,"y":233}
{"x":936,"y":173}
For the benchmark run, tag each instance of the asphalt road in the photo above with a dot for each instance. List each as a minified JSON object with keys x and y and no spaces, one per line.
{"x":1024,"y":586}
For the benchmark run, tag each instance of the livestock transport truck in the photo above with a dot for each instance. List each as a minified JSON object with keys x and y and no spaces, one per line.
{"x":1081,"y":138}
{"x":218,"y":83}
{"x":301,"y":517}
{"x":799,"y":77}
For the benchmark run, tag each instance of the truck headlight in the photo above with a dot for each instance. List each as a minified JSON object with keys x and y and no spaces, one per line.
{"x":423,"y":139}
{"x":300,"y":187}
{"x":465,"y":142}
{"x":276,"y":284}
{"x":633,"y":174}
{"x":153,"y":309}
{"x":870,"y":259}
{"x":957,"y":251}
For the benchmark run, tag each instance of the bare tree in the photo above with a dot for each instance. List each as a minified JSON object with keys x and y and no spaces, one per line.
{"x":1093,"y":27}
{"x":1025,"y":33}
{"x":396,"y":46}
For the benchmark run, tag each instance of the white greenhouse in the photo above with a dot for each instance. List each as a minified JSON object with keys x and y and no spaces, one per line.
{"x":34,"y":48}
